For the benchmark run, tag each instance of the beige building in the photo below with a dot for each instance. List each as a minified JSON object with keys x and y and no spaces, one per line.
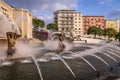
{"x":119,"y":23}
{"x":69,"y":20}
{"x":112,"y":24}
{"x":21,"y":17}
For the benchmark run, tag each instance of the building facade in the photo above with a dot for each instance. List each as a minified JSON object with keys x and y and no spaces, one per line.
{"x":21,"y":17}
{"x":119,"y":23}
{"x":88,"y":21}
{"x":112,"y":24}
{"x":69,"y":20}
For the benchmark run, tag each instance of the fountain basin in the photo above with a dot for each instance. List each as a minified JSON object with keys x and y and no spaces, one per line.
{"x":75,"y":64}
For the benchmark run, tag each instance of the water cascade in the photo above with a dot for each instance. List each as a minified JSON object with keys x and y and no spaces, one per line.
{"x":110,"y":57}
{"x":98,"y":74}
{"x":66,"y":65}
{"x":102,"y":60}
{"x":112,"y":53}
{"x":67,"y":58}
{"x":39,"y":71}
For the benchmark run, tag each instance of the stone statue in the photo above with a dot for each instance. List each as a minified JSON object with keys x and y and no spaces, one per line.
{"x":71,"y":37}
{"x":61,"y":46}
{"x":11,"y":39}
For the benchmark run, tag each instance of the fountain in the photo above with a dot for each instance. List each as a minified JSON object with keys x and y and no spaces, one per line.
{"x":55,"y":60}
{"x":74,"y":64}
{"x":9,"y":31}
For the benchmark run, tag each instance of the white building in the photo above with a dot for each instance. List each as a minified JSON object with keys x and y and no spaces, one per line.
{"x":69,"y":20}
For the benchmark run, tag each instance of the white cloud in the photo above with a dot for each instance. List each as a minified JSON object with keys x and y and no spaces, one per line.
{"x":47,"y":18}
{"x":114,"y":13}
{"x":45,"y":8}
{"x":105,"y":1}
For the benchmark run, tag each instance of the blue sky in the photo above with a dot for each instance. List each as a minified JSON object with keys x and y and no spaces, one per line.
{"x":44,"y":8}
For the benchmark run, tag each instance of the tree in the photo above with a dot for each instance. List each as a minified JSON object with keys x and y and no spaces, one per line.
{"x":118,"y":36}
{"x":38,"y":23}
{"x":99,"y":31}
{"x":92,"y":30}
{"x":105,"y":32}
{"x":111,"y":32}
{"x":52,"y":26}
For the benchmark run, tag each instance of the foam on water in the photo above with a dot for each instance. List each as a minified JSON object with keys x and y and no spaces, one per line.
{"x":7,"y":63}
{"x":54,"y":58}
{"x":68,"y":57}
{"x":26,"y":61}
{"x":42,"y":60}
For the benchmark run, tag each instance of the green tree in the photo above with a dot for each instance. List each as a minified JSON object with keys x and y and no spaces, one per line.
{"x":99,"y":31}
{"x":111,"y":32}
{"x":52,"y":26}
{"x":38,"y":23}
{"x":118,"y":36}
{"x":105,"y":32}
{"x":92,"y":30}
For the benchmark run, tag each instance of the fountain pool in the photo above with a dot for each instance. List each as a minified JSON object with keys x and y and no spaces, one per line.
{"x":82,"y":61}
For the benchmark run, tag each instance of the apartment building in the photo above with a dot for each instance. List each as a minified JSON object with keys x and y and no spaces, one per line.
{"x":112,"y":24}
{"x":88,"y":21}
{"x":69,"y":20}
{"x":119,"y":23}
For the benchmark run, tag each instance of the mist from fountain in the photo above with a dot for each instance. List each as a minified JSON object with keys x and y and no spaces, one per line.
{"x":53,"y":45}
{"x":7,"y":25}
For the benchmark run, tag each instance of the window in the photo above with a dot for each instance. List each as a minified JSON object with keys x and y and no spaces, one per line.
{"x":67,"y":22}
{"x":62,"y":29}
{"x":71,"y":18}
{"x":67,"y":29}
